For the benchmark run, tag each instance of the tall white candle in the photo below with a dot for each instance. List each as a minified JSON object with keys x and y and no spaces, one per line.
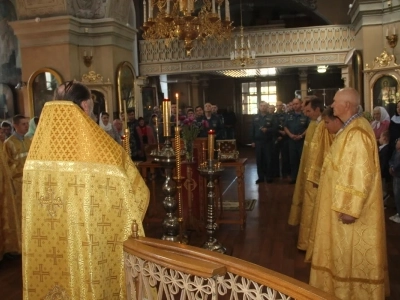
{"x":213,"y":6}
{"x":144,"y":11}
{"x":177,"y":109}
{"x":227,"y":11}
{"x":219,"y":11}
{"x":150,"y":9}
{"x":168,"y":7}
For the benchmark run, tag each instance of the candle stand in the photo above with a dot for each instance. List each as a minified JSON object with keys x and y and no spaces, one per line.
{"x":211,"y":170}
{"x":167,"y":159}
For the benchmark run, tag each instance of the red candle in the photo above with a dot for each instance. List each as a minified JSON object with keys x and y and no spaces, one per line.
{"x":211,"y":137}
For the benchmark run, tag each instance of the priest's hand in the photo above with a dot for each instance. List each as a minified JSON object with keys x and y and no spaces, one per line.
{"x":346,"y":219}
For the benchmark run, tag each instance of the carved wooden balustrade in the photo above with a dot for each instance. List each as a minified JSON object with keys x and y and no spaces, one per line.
{"x":157,"y":269}
{"x":327,"y":45}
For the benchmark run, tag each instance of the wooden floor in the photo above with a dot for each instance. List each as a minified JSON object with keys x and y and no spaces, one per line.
{"x":266,"y":240}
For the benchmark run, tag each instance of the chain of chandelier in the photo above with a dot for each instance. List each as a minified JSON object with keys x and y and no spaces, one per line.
{"x":176,"y":20}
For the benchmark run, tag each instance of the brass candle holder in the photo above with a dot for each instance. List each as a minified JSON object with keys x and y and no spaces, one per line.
{"x":392,"y":40}
{"x":167,"y":160}
{"x":179,"y":179}
{"x":87,"y":58}
{"x":211,"y":169}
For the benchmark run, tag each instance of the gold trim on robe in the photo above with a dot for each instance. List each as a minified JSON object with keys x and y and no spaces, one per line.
{"x":350,"y":260}
{"x":299,"y":190}
{"x":81,"y":193}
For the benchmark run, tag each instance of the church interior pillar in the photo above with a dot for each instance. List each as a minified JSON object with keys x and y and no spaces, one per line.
{"x":303,"y":82}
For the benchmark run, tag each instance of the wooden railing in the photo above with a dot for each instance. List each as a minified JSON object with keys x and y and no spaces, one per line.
{"x":157,"y":269}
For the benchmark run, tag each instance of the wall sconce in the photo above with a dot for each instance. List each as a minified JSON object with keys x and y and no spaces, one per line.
{"x":391,"y":38}
{"x":87,"y":59}
{"x":20,"y":85}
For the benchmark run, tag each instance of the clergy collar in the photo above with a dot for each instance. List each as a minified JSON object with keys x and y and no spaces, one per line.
{"x":18,"y":136}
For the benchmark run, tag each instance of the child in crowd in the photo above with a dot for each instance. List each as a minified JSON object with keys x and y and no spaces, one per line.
{"x":394,"y":169}
{"x":384,"y":156}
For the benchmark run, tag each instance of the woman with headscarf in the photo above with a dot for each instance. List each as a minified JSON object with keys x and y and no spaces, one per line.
{"x":381,"y":121}
{"x":106,"y":125}
{"x":32,"y":127}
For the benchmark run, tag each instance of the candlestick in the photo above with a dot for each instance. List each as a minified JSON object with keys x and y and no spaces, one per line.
{"x":227,"y":12}
{"x":177,"y":109}
{"x":144,"y":11}
{"x":150,"y":9}
{"x":204,"y":149}
{"x":166,"y":117}
{"x":178,"y":152}
{"x":157,"y":135}
{"x":125,"y":115}
{"x":211,"y":136}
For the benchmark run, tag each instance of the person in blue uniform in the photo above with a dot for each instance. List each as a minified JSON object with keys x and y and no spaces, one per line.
{"x":263,"y":133}
{"x":281,"y":147}
{"x":296,"y":125}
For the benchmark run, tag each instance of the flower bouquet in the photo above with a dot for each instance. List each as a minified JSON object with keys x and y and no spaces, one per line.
{"x":190,"y":129}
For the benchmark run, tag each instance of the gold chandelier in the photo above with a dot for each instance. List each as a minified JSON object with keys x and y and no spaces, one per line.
{"x":242,"y":54}
{"x":175,"y":19}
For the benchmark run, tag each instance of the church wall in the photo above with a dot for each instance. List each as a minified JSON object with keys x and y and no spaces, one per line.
{"x":59,"y":43}
{"x":286,"y":86}
{"x":182,"y":88}
{"x":221,"y":92}
{"x":334,"y":13}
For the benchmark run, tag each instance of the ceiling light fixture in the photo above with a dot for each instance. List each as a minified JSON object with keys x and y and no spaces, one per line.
{"x":175,"y":20}
{"x":242,"y":53}
{"x":248,"y":72}
{"x":322,"y":69}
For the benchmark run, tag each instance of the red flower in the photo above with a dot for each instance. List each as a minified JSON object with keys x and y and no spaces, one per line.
{"x":204,"y":123}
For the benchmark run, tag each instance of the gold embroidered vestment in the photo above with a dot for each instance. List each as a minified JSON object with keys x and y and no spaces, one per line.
{"x":81,"y":193}
{"x":299,"y":190}
{"x":321,"y":141}
{"x":350,"y":260}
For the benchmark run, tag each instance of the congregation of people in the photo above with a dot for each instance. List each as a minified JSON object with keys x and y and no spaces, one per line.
{"x":345,"y":169}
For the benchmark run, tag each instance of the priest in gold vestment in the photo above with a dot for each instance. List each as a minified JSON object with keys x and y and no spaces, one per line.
{"x":300,"y":188}
{"x":81,"y":194}
{"x":8,"y":239}
{"x":349,"y":257}
{"x":16,"y":149}
{"x":320,"y":145}
{"x":313,"y":110}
